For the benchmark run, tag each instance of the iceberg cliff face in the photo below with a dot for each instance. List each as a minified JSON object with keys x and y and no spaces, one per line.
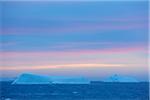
{"x":118,"y":78}
{"x":37,"y":79}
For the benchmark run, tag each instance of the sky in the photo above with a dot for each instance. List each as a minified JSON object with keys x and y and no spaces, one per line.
{"x":63,"y":38}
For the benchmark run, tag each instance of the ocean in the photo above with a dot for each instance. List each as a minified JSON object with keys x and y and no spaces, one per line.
{"x":98,"y":91}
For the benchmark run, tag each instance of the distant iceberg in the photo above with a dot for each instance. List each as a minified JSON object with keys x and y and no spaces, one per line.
{"x":69,"y":80}
{"x":119,"y":78}
{"x":32,"y":79}
{"x":38,"y":79}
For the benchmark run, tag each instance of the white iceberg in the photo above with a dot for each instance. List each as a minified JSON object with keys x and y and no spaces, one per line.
{"x":69,"y":80}
{"x":38,"y":79}
{"x":119,"y":78}
{"x":32,"y":79}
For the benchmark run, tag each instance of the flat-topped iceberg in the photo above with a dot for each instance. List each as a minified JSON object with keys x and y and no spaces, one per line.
{"x":69,"y":80}
{"x":119,"y":78}
{"x":38,"y":79}
{"x":32,"y":79}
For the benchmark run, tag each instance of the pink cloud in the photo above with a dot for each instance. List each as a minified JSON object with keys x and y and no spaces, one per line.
{"x":80,"y":19}
{"x":79,"y":27}
{"x":7,"y":43}
{"x":72,"y":59}
{"x":77,"y":52}
{"x":81,"y":65}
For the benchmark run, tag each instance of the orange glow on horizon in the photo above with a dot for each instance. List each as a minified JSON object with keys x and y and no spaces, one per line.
{"x":62,"y":66}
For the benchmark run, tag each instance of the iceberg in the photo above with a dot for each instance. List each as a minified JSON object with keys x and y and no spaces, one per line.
{"x":32,"y":79}
{"x":119,"y":78}
{"x":69,"y":80}
{"x":38,"y":79}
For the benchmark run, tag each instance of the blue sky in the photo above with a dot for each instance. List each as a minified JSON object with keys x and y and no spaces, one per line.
{"x":88,"y":37}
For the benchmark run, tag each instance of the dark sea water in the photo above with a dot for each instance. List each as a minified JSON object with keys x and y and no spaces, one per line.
{"x":100,"y":91}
